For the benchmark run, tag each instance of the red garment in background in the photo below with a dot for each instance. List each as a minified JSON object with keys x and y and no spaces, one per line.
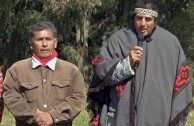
{"x":1,"y":95}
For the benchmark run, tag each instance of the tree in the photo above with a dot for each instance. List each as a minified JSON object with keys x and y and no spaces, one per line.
{"x":83,"y":26}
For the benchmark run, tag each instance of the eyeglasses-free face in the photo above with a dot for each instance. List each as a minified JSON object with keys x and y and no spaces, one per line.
{"x":43,"y":43}
{"x":144,"y":24}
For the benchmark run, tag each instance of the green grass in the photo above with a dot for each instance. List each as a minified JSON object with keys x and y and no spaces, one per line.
{"x":81,"y":120}
{"x":8,"y":119}
{"x":190,"y":119}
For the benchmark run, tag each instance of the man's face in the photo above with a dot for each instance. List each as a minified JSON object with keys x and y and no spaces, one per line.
{"x":43,"y":43}
{"x":144,"y":24}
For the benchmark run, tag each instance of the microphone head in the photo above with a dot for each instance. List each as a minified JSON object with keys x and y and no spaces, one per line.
{"x":140,"y":37}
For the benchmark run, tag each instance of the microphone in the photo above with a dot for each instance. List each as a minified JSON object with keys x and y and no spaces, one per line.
{"x":140,"y":39}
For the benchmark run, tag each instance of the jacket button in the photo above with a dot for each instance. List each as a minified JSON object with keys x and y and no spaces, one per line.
{"x":44,"y":80}
{"x":56,"y":120}
{"x":45,"y":105}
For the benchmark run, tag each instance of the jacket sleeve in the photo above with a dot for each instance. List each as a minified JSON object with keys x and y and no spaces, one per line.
{"x":14,"y":101}
{"x":122,"y":71}
{"x":73,"y":104}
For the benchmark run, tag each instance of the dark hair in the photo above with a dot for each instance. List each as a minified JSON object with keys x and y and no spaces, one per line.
{"x":42,"y":26}
{"x":146,"y":4}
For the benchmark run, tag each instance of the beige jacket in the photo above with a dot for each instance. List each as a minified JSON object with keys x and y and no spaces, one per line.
{"x":61,"y":92}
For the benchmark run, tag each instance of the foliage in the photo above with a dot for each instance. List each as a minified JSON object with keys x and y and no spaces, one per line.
{"x":69,"y":54}
{"x":85,"y":25}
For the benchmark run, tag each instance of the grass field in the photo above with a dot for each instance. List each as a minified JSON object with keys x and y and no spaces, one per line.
{"x":81,"y":120}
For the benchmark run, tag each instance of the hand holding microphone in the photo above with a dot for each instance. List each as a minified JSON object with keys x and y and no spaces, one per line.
{"x":135,"y":54}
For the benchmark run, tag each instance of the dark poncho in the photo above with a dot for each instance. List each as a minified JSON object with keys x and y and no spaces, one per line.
{"x":163,"y":94}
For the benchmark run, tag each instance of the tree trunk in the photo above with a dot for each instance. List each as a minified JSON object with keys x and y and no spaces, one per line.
{"x":82,"y":33}
{"x":124,"y":11}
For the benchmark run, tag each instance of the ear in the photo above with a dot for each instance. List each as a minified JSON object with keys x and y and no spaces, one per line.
{"x":156,"y":21}
{"x":56,"y":41}
{"x":30,"y":44}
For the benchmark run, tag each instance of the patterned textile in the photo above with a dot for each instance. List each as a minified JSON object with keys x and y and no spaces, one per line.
{"x":97,"y":59}
{"x":146,"y":11}
{"x":182,"y":78}
{"x":120,"y":88}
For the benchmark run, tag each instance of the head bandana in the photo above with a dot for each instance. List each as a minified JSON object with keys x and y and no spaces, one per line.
{"x":146,"y":11}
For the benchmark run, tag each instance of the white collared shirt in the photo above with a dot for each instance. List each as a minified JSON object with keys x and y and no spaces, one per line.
{"x":51,"y":64}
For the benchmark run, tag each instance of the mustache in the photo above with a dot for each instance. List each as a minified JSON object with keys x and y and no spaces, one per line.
{"x":142,"y":28}
{"x":41,"y":51}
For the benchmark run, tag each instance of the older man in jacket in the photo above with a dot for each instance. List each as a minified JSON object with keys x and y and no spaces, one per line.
{"x":44,"y":90}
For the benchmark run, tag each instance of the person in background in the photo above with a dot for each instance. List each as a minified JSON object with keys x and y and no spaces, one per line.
{"x":44,"y":90}
{"x":141,"y":76}
{"x":1,"y":89}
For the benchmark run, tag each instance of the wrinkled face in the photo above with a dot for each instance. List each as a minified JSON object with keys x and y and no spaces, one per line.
{"x":144,"y":24}
{"x":43,"y":43}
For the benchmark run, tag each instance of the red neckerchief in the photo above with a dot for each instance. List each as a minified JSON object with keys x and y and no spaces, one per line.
{"x":46,"y":60}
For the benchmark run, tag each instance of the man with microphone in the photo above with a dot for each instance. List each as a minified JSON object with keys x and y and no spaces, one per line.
{"x":141,"y":76}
